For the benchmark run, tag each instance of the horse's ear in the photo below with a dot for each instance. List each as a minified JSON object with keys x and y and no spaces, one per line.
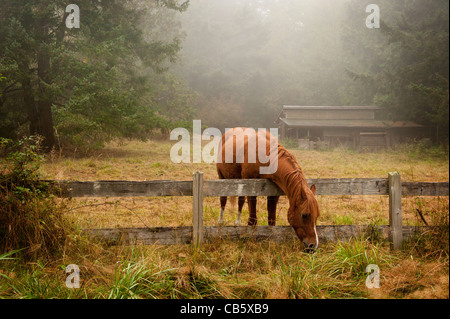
{"x":303,"y":194}
{"x":313,"y":188}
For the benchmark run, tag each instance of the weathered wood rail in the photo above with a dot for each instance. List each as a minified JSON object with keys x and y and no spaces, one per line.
{"x":242,"y":187}
{"x":199,"y":188}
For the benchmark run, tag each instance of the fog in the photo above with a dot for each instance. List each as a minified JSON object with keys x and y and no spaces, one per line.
{"x":247,"y":58}
{"x":138,"y":68}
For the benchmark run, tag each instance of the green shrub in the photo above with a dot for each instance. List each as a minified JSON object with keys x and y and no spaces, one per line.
{"x":30,"y":216}
{"x":289,"y":143}
{"x":434,"y":241}
{"x":424,"y":150}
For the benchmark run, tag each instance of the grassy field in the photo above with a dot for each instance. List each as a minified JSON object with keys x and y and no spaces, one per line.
{"x":244,"y":269}
{"x":150,"y":161}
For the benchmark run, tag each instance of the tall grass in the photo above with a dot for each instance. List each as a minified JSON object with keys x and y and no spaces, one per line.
{"x":245,"y":270}
{"x":434,"y":242}
{"x":132,"y":280}
{"x":356,"y":255}
{"x":136,"y":278}
{"x":222,"y":269}
{"x":30,"y":217}
{"x":337,"y":271}
{"x":423,"y":150}
{"x":36,"y":281}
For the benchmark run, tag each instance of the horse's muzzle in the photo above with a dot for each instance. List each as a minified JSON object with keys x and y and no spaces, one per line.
{"x":309,"y":247}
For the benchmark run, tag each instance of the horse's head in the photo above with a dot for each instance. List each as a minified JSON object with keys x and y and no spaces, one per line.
{"x":303,"y":213}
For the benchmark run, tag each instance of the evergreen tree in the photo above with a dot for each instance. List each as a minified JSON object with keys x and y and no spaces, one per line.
{"x":91,"y":83}
{"x":403,"y":66}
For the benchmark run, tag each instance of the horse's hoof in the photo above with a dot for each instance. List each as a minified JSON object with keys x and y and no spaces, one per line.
{"x":220,"y":222}
{"x":237,"y":223}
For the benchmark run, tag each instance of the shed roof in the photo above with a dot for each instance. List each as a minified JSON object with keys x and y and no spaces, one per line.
{"x":317,"y":107}
{"x":347,"y":123}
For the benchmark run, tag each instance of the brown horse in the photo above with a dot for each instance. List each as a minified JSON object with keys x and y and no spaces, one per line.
{"x":303,"y":207}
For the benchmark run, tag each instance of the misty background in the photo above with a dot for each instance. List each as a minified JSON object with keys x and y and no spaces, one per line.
{"x":137,"y":69}
{"x":246,"y":59}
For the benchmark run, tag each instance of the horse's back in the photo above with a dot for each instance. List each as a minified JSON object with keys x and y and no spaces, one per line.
{"x":246,"y":169}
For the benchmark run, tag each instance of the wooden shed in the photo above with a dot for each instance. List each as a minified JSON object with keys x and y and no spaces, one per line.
{"x":348,"y":126}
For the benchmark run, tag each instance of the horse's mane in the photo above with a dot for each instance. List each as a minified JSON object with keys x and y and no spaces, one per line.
{"x":282,"y":152}
{"x":295,"y":180}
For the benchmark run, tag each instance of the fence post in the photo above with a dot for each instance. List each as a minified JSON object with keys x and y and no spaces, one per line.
{"x":395,"y":210}
{"x":197,"y":192}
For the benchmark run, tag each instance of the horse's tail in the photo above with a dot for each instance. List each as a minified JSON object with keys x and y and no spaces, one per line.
{"x":233,"y":203}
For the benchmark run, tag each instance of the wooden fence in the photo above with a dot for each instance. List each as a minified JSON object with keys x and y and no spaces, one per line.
{"x":199,"y":188}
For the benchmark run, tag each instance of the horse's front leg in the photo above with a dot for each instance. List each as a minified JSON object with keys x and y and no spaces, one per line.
{"x":272,"y":209}
{"x":252,"y":220}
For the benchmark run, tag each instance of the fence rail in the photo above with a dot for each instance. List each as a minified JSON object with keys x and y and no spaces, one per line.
{"x":243,"y":187}
{"x":184,"y":234}
{"x":199,"y":188}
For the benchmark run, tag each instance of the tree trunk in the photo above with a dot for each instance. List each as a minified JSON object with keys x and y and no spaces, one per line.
{"x":45,"y":117}
{"x":30,"y":104}
{"x":45,"y":103}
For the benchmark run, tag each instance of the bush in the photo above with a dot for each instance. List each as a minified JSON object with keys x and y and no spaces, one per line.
{"x":434,"y":242}
{"x":30,"y":217}
{"x":424,"y":150}
{"x":289,"y":143}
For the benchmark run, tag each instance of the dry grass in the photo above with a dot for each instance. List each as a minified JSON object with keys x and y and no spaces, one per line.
{"x":243,"y":269}
{"x":414,"y":279}
{"x":135,"y":160}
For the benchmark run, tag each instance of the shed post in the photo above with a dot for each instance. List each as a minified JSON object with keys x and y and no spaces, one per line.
{"x":197,"y":192}
{"x":395,"y":210}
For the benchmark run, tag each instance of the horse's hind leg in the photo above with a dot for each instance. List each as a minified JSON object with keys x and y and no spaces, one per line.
{"x":252,"y":220}
{"x":272,"y":209}
{"x":223,"y":203}
{"x":241,"y":202}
